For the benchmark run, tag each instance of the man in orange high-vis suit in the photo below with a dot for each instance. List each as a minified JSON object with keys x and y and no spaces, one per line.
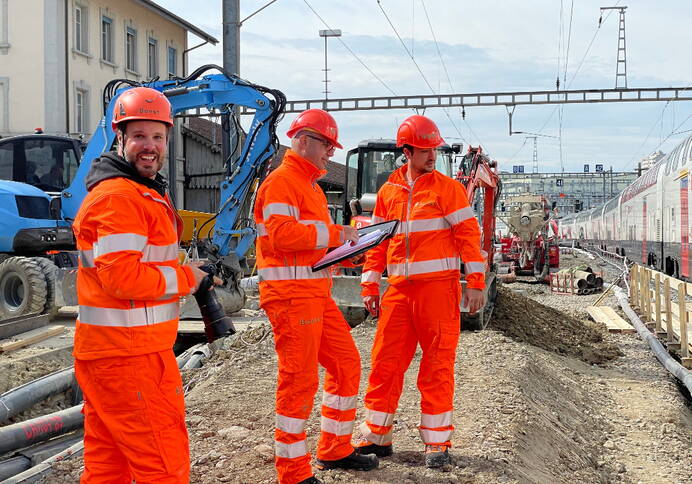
{"x":129,"y":285}
{"x":421,"y":305}
{"x":294,"y":231}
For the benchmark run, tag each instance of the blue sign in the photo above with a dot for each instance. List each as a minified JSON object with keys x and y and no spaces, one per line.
{"x":518,"y":169}
{"x":586,"y":168}
{"x":599,"y":168}
{"x":558,"y":182}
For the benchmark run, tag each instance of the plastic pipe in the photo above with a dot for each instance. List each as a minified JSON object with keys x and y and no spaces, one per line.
{"x":25,"y":396}
{"x":39,"y":429}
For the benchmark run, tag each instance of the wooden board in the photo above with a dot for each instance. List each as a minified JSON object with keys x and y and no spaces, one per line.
{"x":34,"y":338}
{"x":675,"y":323}
{"x":608,"y":316}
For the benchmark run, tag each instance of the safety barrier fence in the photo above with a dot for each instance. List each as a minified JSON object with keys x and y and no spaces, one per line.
{"x":661,"y":302}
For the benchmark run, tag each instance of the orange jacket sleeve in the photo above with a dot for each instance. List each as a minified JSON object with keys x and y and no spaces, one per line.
{"x":375,"y":258}
{"x":280,"y":212}
{"x":467,"y":234}
{"x":120,"y":244}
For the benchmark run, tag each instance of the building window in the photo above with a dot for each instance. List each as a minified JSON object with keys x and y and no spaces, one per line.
{"x":153,"y":52}
{"x":81,"y":29}
{"x":107,"y":39}
{"x":4,"y":40}
{"x":172,"y":71}
{"x":131,"y":49}
{"x":81,"y":110}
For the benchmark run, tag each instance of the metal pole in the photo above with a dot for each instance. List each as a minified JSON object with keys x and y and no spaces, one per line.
{"x":231,"y":64}
{"x":326,"y":80}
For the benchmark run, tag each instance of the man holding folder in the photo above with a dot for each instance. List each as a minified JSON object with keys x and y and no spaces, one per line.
{"x":294,"y":231}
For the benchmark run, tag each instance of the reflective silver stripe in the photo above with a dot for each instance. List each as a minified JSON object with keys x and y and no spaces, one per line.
{"x":471,"y":267}
{"x":117,"y":242}
{"x":290,"y":273}
{"x":87,"y":258}
{"x":337,"y":402}
{"x":290,"y":424}
{"x":290,"y":451}
{"x":424,"y":266}
{"x":443,"y":419}
{"x":422,"y":225}
{"x":322,"y":233}
{"x":377,"y":220}
{"x":371,"y":276}
{"x":435,"y":436}
{"x":459,"y":215}
{"x":280,"y":209}
{"x":129,"y":318}
{"x":382,"y":419}
{"x":261,"y":230}
{"x":171,"y":277}
{"x":335,"y":427}
{"x":160,"y":253}
{"x":372,"y":437}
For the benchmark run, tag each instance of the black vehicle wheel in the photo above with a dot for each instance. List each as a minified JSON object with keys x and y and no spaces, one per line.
{"x":49,"y":271}
{"x":22,"y":287}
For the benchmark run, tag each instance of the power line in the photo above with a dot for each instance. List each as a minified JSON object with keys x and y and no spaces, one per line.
{"x":351,"y":51}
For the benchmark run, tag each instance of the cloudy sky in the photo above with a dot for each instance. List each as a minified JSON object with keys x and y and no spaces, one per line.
{"x":488,"y":46}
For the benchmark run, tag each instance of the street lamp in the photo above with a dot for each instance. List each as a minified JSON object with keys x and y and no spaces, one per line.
{"x":325,"y":34}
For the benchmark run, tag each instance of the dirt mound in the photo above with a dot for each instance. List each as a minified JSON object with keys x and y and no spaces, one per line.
{"x":528,"y":321}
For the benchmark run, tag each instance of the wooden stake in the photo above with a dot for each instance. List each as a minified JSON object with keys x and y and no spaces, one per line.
{"x":682,"y":309}
{"x":669,"y":311}
{"x":657,"y":294}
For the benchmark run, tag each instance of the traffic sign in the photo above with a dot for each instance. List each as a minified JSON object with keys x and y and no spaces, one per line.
{"x":599,"y":168}
{"x":558,"y":182}
{"x":518,"y":169}
{"x":586,"y":168}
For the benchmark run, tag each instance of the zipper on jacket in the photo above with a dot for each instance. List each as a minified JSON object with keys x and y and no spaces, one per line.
{"x":406,"y":233}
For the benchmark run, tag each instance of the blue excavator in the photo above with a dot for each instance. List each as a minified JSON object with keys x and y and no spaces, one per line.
{"x":37,"y":250}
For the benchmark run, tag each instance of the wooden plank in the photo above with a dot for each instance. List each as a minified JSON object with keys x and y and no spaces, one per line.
{"x":43,"y":335}
{"x":607,"y":316}
{"x":657,"y":292}
{"x":22,"y":324}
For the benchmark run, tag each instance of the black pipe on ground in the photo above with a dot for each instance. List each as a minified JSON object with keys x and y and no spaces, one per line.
{"x":39,"y":429}
{"x":36,"y":454}
{"x":36,"y":472}
{"x":16,"y":400}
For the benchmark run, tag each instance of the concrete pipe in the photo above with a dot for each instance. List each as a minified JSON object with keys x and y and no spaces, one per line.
{"x":25,"y":396}
{"x":590,"y":277}
{"x":598,"y":282}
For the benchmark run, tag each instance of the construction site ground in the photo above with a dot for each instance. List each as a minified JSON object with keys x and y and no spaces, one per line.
{"x":543,"y":396}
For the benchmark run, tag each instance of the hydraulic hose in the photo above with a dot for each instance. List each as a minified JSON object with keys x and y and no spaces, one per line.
{"x":39,"y":429}
{"x":216,"y":323}
{"x":33,"y":474}
{"x":25,"y":396}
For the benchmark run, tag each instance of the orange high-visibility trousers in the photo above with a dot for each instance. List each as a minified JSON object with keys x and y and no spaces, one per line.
{"x":425,"y":312}
{"x":134,"y":420}
{"x":308,"y":331}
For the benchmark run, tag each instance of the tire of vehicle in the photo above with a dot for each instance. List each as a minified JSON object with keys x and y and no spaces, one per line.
{"x":22,"y":287}
{"x":49,"y":270}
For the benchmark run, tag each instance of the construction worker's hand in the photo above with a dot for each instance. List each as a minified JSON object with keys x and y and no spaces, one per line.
{"x":372,"y":304}
{"x":199,"y":274}
{"x":358,"y":260}
{"x":474,"y":299}
{"x":350,"y":234}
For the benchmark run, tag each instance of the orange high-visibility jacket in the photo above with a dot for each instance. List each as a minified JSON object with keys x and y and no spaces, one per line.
{"x":437,"y":228}
{"x":294,"y":230}
{"x":129,"y":281}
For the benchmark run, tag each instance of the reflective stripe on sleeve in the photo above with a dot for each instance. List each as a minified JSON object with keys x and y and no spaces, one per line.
{"x":381,"y":419}
{"x":280,"y":209}
{"x":424,"y":266}
{"x":371,"y":276}
{"x":459,"y":216}
{"x":376,"y":220}
{"x":171,"y":277}
{"x":471,"y":267}
{"x":443,"y":419}
{"x":335,"y":427}
{"x":86,"y":257}
{"x":288,"y":273}
{"x":290,"y":424}
{"x":422,"y":225}
{"x":129,"y":318}
{"x":322,"y":233}
{"x":160,"y":253}
{"x":337,"y":402}
{"x":117,"y":242}
{"x":435,"y":436}
{"x":372,"y":437}
{"x":290,"y":451}
{"x":262,"y":230}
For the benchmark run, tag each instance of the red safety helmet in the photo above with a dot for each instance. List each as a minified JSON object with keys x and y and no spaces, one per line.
{"x":420,"y":132}
{"x":317,"y":121}
{"x":142,"y":103}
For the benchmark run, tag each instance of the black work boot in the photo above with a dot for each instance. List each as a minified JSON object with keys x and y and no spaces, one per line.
{"x":355,"y":462}
{"x":437,"y":456}
{"x":311,"y":480}
{"x":365,"y":447}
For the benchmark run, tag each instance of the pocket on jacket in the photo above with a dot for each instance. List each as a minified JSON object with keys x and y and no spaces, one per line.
{"x":174,"y":446}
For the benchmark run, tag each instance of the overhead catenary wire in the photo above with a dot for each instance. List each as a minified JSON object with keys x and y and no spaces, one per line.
{"x":350,"y":50}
